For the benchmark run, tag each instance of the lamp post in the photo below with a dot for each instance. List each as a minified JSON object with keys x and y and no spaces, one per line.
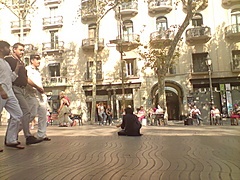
{"x":209,"y":65}
{"x":121,"y":57}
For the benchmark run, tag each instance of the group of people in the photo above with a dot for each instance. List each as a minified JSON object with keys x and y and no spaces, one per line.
{"x":22,"y":95}
{"x":103,"y":114}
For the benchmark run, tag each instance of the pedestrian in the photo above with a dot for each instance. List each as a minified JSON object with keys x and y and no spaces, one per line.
{"x":102,"y":114}
{"x":19,"y":90}
{"x":130,"y":124}
{"x":7,"y":99}
{"x":64,"y":111}
{"x":109,"y":115}
{"x":37,"y":101}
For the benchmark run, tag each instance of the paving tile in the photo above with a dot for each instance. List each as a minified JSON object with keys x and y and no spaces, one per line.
{"x":97,"y":153}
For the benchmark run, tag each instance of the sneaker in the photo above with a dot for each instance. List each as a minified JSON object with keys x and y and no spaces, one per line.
{"x":32,"y":140}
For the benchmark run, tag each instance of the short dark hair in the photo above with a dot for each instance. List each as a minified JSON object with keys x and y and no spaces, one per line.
{"x":4,"y":44}
{"x":129,"y":110}
{"x":34,"y":56}
{"x":18,"y":44}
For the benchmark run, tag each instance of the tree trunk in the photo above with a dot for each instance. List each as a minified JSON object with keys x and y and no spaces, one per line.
{"x":94,"y":72}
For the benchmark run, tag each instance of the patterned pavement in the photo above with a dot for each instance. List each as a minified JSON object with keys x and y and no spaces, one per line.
{"x":92,"y":152}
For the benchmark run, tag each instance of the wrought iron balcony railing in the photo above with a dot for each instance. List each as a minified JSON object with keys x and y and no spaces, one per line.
{"x":46,"y":2}
{"x":53,"y":22}
{"x":159,"y":5}
{"x":233,"y":31}
{"x":56,"y":81}
{"x":198,"y":34}
{"x":16,"y":26}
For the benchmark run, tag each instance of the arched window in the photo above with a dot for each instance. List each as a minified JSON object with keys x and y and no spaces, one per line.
{"x":161,"y":23}
{"x":197,"y":20}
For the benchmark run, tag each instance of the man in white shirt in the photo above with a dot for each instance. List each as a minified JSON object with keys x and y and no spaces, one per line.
{"x":37,"y":101}
{"x":7,"y":98}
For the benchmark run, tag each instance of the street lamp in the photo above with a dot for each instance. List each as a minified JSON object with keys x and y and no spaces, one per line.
{"x":209,"y":65}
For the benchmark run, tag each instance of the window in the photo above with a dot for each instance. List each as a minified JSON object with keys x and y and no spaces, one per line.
{"x":130,"y":67}
{"x":161,"y":23}
{"x":199,"y":62}
{"x":128,"y":31}
{"x":91,"y":30}
{"x":197,"y":20}
{"x":54,"y":39}
{"x":172,"y":70}
{"x":53,"y":15}
{"x":236,"y":60}
{"x":54,"y":69}
{"x":90,"y":69}
{"x":235,"y":14}
{"x":53,"y":11}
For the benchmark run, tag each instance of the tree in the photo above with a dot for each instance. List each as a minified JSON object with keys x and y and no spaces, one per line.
{"x":163,"y":55}
{"x":100,"y":8}
{"x":20,"y":8}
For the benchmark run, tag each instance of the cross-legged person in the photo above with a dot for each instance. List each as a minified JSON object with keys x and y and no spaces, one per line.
{"x":37,"y":101}
{"x":8,"y":99}
{"x":19,"y":89}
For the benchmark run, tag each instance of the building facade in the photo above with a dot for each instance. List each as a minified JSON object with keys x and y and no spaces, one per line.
{"x":63,"y":32}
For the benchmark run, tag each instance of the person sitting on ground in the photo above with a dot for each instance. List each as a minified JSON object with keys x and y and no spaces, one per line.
{"x":130,"y":124}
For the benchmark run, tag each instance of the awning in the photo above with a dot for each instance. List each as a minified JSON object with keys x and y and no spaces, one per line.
{"x":227,"y":80}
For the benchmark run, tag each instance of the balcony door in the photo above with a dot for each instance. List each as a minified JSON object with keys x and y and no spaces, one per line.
{"x":161,"y":24}
{"x":53,"y":15}
{"x":197,"y":20}
{"x":128,"y":31}
{"x":54,"y":39}
{"x":91,"y":31}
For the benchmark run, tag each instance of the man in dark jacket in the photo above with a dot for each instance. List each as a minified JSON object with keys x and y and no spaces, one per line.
{"x":130,"y":124}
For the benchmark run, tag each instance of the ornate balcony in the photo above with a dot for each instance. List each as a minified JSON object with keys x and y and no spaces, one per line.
{"x":128,"y":42}
{"x":16,"y":26}
{"x":230,"y":2}
{"x":48,"y":2}
{"x":198,"y":35}
{"x":53,"y":48}
{"x":88,"y":14}
{"x":128,"y":8}
{"x":156,"y":6}
{"x":88,"y":44}
{"x":56,"y":81}
{"x":52,"y":22}
{"x":194,"y":4}
{"x":29,"y":48}
{"x":161,"y":37}
{"x":233,"y":31}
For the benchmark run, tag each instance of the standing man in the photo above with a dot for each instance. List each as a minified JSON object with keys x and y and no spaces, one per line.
{"x":8,"y":99}
{"x":19,"y":86}
{"x":37,"y":101}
